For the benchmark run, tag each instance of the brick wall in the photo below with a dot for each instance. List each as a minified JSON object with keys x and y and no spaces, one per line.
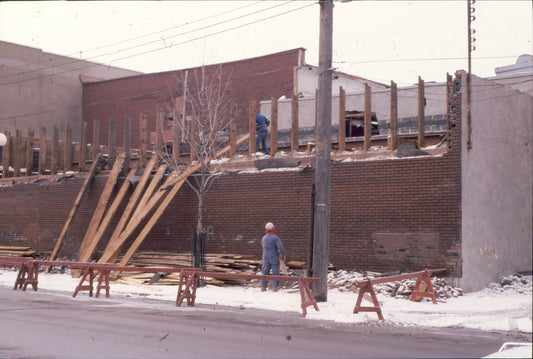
{"x":252,"y":79}
{"x":385,"y":214}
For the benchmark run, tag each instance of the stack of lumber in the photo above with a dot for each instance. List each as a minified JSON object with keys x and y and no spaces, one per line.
{"x":222,"y":263}
{"x":17,"y":251}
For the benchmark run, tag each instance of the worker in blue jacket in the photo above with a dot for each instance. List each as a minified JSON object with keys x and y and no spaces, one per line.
{"x":272,"y":251}
{"x":261,"y":129}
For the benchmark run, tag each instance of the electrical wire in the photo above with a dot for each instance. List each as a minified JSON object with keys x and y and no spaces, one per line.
{"x":73,"y":61}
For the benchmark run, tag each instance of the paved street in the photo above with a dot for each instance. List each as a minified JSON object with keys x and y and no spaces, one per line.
{"x":48,"y":324}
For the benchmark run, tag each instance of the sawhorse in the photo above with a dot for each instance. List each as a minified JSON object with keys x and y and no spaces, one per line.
{"x":367,"y":286}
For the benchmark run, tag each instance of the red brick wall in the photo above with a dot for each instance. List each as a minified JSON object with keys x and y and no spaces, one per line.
{"x":385,"y":214}
{"x":252,"y":79}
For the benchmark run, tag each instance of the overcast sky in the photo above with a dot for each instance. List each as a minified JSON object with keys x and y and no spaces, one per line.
{"x":379,"y":40}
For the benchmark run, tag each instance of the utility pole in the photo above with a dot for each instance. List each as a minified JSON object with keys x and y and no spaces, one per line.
{"x":323,"y":153}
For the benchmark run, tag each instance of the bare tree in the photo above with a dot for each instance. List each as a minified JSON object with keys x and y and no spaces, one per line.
{"x":203,"y":119}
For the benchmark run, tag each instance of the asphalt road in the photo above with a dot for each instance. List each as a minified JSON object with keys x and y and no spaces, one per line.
{"x":49,"y":324}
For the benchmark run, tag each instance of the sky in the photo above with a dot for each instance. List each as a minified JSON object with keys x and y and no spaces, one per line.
{"x":378,"y":40}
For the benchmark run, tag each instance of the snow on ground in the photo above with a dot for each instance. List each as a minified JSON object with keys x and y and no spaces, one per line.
{"x":497,"y":307}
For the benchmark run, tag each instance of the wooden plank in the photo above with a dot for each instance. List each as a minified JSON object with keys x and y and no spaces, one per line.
{"x":83,"y":147}
{"x":127,"y":142}
{"x":233,"y":131}
{"x":393,"y":116}
{"x":159,"y":132}
{"x":294,"y":123}
{"x":175,"y":180}
{"x":42,"y":151}
{"x":54,"y":159}
{"x":29,"y":152}
{"x":113,"y":247}
{"x":113,"y":208}
{"x":16,"y":151}
{"x":143,"y":138}
{"x":153,"y":185}
{"x":421,"y":113}
{"x":368,"y":117}
{"x":111,"y":143}
{"x":274,"y":125}
{"x":88,"y":245}
{"x":66,"y":226}
{"x":251,"y":127}
{"x":342,"y":119}
{"x":153,"y":220}
{"x":67,"y":165}
{"x":176,"y":138}
{"x":96,"y":138}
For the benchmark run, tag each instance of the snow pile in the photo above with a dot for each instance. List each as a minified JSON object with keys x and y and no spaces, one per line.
{"x":503,"y":306}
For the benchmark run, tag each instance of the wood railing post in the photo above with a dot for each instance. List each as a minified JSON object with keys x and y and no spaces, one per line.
{"x":42,"y":153}
{"x":159,"y":132}
{"x":233,"y":131}
{"x":393,"y":116}
{"x":368,"y":117}
{"x":83,"y":147}
{"x":67,"y":159}
{"x":111,"y":143}
{"x":294,"y":123}
{"x":421,"y":106}
{"x":342,"y":119}
{"x":176,"y":137}
{"x":127,"y":144}
{"x":273,"y":125}
{"x":251,"y":128}
{"x":29,"y":152}
{"x":54,"y":158}
{"x":16,"y":151}
{"x":143,"y":138}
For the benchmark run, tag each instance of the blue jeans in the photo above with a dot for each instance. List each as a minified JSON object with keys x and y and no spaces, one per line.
{"x":261,"y":139}
{"x":268,"y":264}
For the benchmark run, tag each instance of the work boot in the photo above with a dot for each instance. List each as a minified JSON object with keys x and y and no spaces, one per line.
{"x":263,"y":289}
{"x":275,"y":289}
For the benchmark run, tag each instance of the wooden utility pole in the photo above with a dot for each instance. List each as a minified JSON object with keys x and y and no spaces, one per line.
{"x":323,"y":153}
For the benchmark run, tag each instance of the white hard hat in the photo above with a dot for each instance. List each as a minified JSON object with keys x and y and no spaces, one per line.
{"x":269,"y":225}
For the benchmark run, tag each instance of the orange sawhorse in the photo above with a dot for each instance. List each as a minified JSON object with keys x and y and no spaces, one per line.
{"x":367,"y":286}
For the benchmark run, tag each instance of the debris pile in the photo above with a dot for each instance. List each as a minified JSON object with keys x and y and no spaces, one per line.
{"x":516,"y":282}
{"x":347,"y":281}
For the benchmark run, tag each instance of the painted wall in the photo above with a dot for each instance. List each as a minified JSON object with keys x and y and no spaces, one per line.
{"x":43,"y":89}
{"x":497,"y":176}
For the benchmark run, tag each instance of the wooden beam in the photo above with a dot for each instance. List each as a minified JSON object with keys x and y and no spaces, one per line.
{"x":368,"y":117}
{"x":29,"y":152}
{"x":159,"y":132}
{"x":393,"y":116}
{"x":66,"y":226}
{"x":151,"y":222}
{"x":88,"y":245}
{"x":113,"y":246}
{"x":176,"y":138}
{"x":294,"y":123}
{"x":342,"y":119}
{"x":274,"y":125}
{"x":17,"y":152}
{"x":111,"y":143}
{"x":127,"y":142}
{"x":143,"y":138}
{"x":96,"y":138}
{"x":68,"y":149}
{"x":83,"y":147}
{"x":421,"y":114}
{"x":42,"y":151}
{"x":112,"y":209}
{"x":54,"y":158}
{"x":251,"y":127}
{"x":233,"y":131}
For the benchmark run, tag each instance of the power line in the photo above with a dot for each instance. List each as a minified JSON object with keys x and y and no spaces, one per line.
{"x":73,"y":61}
